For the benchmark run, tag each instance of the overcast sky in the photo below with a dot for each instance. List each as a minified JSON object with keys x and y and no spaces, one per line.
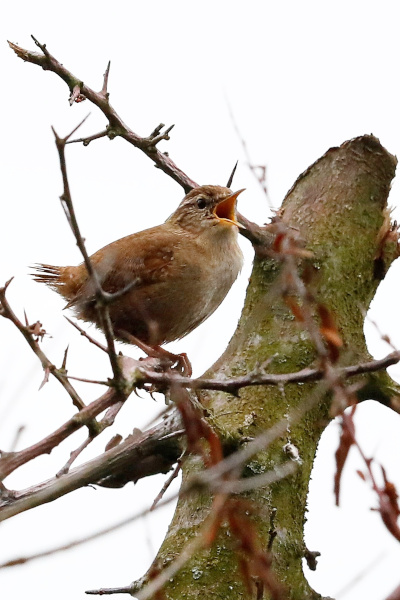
{"x":299,"y":77}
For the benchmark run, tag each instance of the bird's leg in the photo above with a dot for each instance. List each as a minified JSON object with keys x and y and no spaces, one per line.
{"x":182,"y":361}
{"x":168,"y":359}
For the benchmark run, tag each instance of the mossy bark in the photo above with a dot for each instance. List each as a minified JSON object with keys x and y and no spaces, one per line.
{"x":339,"y":207}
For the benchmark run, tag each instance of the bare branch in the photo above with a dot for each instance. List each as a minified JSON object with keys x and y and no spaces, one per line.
{"x":86,"y":140}
{"x":116,"y":127}
{"x":155,"y":584}
{"x":86,"y":335}
{"x":7,"y":312}
{"x":166,"y":485}
{"x":73,"y":456}
{"x":233,"y":385}
{"x":104,"y":90}
{"x":154,"y":451}
{"x":11,"y":461}
{"x":259,"y":171}
{"x":24,"y":559}
{"x":100,"y":99}
{"x":156,"y":135}
{"x":116,"y":460}
{"x":103,"y":299}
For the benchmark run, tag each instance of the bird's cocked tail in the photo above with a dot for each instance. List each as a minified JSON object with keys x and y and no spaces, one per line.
{"x":48,"y":274}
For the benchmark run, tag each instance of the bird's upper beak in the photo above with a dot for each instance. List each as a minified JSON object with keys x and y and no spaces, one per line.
{"x":226,"y":209}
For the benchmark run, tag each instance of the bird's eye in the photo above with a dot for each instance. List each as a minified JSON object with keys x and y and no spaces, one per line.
{"x":201,"y":202}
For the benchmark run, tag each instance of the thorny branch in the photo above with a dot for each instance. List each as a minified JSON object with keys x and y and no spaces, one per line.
{"x":147,"y":444}
{"x":11,"y":461}
{"x":140,"y":376}
{"x":102,"y":297}
{"x":168,"y":482}
{"x":116,"y":127}
{"x":32,"y":334}
{"x":122,"y":389}
{"x":259,"y":171}
{"x":126,"y":452}
{"x":254,"y":378}
{"x":25,"y":559}
{"x":140,"y":455}
{"x":100,"y":99}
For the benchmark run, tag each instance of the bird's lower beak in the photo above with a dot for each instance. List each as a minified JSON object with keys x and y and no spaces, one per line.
{"x":226,"y":209}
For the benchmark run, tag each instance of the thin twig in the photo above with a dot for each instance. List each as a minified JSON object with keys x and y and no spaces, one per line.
{"x":73,"y":456}
{"x":14,"y":460}
{"x":168,"y":482}
{"x":197,"y":543}
{"x":102,"y":298}
{"x":105,"y":422}
{"x":156,"y":136}
{"x":129,"y":454}
{"x":104,"y":90}
{"x":86,"y":140}
{"x":24,"y":559}
{"x":259,"y":171}
{"x":41,"y":46}
{"x":228,"y":185}
{"x":86,"y":335}
{"x":16,"y":439}
{"x":48,"y":366}
{"x":84,"y":380}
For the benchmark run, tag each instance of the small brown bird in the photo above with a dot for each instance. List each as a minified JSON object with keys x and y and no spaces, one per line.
{"x":183,"y":269}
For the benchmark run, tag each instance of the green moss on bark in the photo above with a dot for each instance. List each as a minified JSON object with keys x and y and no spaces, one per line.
{"x":339,"y":208}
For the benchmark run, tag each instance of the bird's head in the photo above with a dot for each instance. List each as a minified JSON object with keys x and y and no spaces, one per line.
{"x":207,"y":206}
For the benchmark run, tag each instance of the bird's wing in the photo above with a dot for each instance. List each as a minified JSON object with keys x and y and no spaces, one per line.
{"x":144,"y":258}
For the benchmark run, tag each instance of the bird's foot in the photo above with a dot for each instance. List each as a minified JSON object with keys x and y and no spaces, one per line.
{"x":180,"y":362}
{"x":168,"y":360}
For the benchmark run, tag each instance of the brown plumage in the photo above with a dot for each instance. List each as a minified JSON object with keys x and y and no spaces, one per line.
{"x":183,"y":270}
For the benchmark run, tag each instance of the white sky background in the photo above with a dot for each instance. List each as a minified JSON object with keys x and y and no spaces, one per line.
{"x":300,"y":77}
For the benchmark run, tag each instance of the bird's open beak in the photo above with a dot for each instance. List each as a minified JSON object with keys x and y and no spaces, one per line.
{"x":226,"y":209}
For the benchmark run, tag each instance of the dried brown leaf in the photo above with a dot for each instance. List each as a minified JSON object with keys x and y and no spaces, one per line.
{"x":36,"y":330}
{"x":295,"y":308}
{"x":341,"y":454}
{"x":389,"y":506}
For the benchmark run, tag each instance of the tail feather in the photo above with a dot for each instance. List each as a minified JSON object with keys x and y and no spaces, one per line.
{"x":67,"y":281}
{"x":49,"y":274}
